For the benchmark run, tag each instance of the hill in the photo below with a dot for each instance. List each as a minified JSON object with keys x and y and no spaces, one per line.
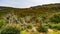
{"x":36,"y":10}
{"x":43,"y":19}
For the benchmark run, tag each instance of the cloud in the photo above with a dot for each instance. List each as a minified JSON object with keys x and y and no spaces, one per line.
{"x":44,"y":1}
{"x":26,"y":3}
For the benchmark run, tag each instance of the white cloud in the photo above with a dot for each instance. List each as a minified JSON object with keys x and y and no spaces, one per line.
{"x":44,"y":1}
{"x":26,"y":3}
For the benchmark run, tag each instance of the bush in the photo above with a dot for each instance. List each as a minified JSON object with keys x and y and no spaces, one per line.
{"x":55,"y":18}
{"x":29,"y":27}
{"x":11,"y":30}
{"x":57,"y":26}
{"x":2,"y":22}
{"x":54,"y":26}
{"x":42,"y":29}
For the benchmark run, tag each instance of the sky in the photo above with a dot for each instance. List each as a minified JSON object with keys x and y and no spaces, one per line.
{"x":26,"y":3}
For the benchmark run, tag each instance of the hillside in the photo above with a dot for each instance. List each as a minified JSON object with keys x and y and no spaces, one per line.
{"x":41,"y":19}
{"x":37,"y":10}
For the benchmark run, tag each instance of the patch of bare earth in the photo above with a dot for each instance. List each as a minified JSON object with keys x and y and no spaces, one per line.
{"x":41,"y":33}
{"x":50,"y":30}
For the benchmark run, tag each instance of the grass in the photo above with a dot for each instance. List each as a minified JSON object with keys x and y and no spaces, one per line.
{"x":24,"y":32}
{"x":54,"y":32}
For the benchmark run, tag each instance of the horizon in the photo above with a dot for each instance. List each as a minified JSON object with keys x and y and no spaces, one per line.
{"x":26,"y":3}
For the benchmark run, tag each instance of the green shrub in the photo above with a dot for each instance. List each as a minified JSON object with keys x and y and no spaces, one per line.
{"x":55,"y":18}
{"x":2,"y":22}
{"x":54,"y":26}
{"x":11,"y":30}
{"x":29,"y":27}
{"x":42,"y":29}
{"x":57,"y":26}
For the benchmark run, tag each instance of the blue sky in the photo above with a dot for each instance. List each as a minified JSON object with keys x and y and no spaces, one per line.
{"x":26,"y":3}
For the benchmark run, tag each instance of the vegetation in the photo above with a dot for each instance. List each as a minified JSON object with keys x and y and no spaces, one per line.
{"x":55,"y":18}
{"x":10,"y":30}
{"x":34,"y":20}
